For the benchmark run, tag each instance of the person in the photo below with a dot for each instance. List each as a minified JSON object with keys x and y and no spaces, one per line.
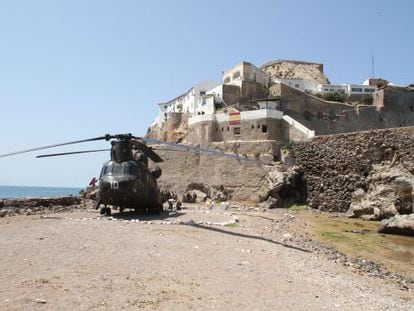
{"x":93,"y":182}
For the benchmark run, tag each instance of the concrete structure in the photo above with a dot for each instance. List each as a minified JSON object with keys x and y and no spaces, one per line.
{"x":244,"y":71}
{"x":378,"y":82}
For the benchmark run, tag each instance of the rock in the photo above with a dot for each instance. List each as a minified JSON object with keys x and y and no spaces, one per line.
{"x":219,"y":193}
{"x":34,"y":203}
{"x":3,"y":213}
{"x":399,"y":224}
{"x":359,"y":210}
{"x":271,"y":203}
{"x":197,"y":195}
{"x":390,"y":193}
{"x":91,"y":193}
{"x":358,"y":194}
{"x":224,"y":206}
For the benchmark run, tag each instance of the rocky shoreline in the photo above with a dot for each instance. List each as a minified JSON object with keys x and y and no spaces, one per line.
{"x":39,"y":206}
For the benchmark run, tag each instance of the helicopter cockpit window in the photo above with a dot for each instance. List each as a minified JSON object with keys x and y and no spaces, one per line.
{"x":131,"y":168}
{"x":118,"y":170}
{"x":107,"y":170}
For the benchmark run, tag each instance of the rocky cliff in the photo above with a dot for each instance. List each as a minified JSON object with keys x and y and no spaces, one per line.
{"x":290,"y":69}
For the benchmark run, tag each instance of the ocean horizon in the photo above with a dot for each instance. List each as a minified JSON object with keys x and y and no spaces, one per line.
{"x":18,"y":192}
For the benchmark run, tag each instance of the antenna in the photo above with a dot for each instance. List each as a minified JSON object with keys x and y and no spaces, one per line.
{"x":372,"y":66}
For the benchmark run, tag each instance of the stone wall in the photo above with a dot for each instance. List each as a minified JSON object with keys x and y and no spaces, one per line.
{"x":231,"y":94}
{"x":180,"y":169}
{"x":248,"y":130}
{"x":337,"y":165}
{"x":326,"y":117}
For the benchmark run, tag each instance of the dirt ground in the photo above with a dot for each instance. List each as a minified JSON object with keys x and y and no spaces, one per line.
{"x":194,"y":259}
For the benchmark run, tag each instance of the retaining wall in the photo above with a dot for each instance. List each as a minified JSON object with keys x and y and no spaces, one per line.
{"x":336,"y":165}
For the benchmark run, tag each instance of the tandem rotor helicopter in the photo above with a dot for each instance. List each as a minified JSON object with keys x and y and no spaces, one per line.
{"x":126,"y":180}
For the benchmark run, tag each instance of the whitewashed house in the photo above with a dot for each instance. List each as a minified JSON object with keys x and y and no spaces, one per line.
{"x":187,"y":102}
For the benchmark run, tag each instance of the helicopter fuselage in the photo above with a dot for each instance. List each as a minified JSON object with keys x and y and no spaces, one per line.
{"x":128,"y":184}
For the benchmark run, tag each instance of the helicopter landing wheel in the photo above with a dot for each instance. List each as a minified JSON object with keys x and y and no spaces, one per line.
{"x":102,"y":210}
{"x":107,"y":211}
{"x":121,"y":209}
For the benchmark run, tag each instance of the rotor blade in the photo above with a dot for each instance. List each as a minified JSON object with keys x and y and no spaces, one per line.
{"x":69,"y":153}
{"x":204,"y":151}
{"x":106,"y":137}
{"x":147,"y":151}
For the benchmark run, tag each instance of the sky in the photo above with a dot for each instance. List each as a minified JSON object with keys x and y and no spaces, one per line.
{"x":76,"y":69}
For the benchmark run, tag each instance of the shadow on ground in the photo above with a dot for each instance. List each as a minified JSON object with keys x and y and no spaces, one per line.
{"x":147,"y":216}
{"x":254,"y":237}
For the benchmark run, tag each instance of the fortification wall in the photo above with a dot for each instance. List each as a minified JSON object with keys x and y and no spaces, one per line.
{"x":336,"y":165}
{"x":332,"y":118}
{"x":242,"y":179}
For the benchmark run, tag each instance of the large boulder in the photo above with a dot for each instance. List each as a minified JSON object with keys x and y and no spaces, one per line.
{"x":271,"y":203}
{"x":283,"y":185}
{"x":399,"y":224}
{"x":194,"y":196}
{"x":390,"y":193}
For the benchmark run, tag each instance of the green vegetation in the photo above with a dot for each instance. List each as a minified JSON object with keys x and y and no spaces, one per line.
{"x":265,"y":91}
{"x":335,"y":96}
{"x":232,"y":225}
{"x":360,"y":239}
{"x":298,"y":207}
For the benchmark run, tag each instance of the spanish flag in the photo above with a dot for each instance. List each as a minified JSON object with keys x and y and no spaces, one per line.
{"x":234,"y":118}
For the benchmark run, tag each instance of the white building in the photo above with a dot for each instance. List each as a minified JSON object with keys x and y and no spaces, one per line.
{"x":185,"y":103}
{"x":331,"y":88}
{"x":206,"y":103}
{"x":349,"y":89}
{"x":303,"y":85}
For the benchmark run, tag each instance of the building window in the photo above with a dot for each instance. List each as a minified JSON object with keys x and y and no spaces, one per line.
{"x":369,"y":90}
{"x":252,"y":126}
{"x":236,"y":75}
{"x":258,"y":126}
{"x":226,"y":80}
{"x":228,"y":129}
{"x":222,"y":129}
{"x":264,"y":128}
{"x":202,"y":93}
{"x":236,"y":130}
{"x":297,"y":86}
{"x":356,"y":89}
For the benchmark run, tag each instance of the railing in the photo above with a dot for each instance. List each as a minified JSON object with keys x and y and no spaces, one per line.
{"x":244,"y":115}
{"x":309,"y":134}
{"x":261,"y":114}
{"x":201,"y":118}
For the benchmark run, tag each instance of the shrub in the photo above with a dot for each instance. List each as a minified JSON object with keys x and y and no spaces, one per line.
{"x":335,"y":96}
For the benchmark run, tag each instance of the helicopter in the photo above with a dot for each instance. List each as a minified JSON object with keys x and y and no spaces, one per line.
{"x":126,"y":180}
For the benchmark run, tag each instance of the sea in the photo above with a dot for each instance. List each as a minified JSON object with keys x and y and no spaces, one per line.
{"x":14,"y":192}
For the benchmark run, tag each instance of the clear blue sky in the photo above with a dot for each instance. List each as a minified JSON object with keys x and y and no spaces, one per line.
{"x":74,"y":69}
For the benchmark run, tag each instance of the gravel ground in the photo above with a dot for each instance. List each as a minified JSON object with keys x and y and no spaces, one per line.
{"x":192,"y":259}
